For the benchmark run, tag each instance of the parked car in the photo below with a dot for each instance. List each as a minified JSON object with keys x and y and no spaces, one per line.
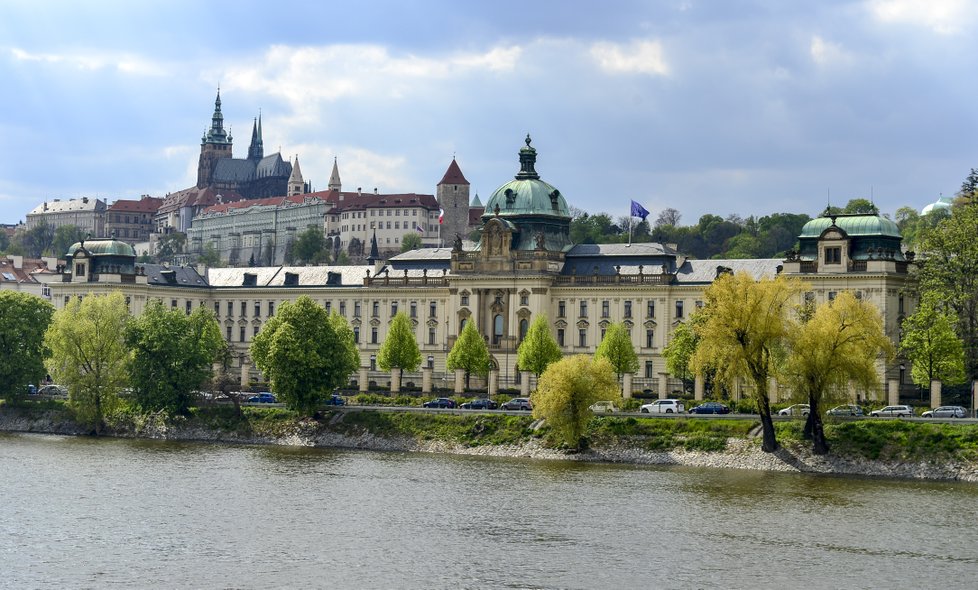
{"x":263,"y":398}
{"x":517,"y":403}
{"x":603,"y":407}
{"x":898,"y":411}
{"x":480,"y":404}
{"x":710,"y":408}
{"x":53,"y":390}
{"x":846,"y":410}
{"x":335,"y":400}
{"x":946,"y":412}
{"x":795,"y":410}
{"x":664,"y":406}
{"x":439,"y":402}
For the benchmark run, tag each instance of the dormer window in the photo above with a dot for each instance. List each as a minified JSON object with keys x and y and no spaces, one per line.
{"x":833,"y":255}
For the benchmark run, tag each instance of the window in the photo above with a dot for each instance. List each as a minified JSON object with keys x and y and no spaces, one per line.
{"x":373,"y":335}
{"x":356,"y":308}
{"x":230,"y":308}
{"x":561,"y":309}
{"x":188,"y":307}
{"x":461,"y":325}
{"x":173,"y":304}
{"x":900,"y":304}
{"x":649,"y":370}
{"x":524,"y":299}
{"x":228,"y":333}
{"x":431,"y":362}
{"x":254,"y":331}
{"x":244,"y":308}
{"x":356,"y":334}
{"x":328,"y":305}
{"x":497,"y":328}
{"x":271,"y":308}
{"x":524,"y":325}
{"x":584,"y":309}
{"x":679,"y":309}
{"x":433,"y":309}
{"x":698,"y":304}
{"x":650,"y":309}
{"x":465,"y":298}
{"x":605,"y":309}
{"x":628,"y":309}
{"x":217,"y":308}
{"x":582,"y":337}
{"x":560,"y":337}
{"x":343,"y":308}
{"x":241,"y":334}
{"x":833,"y":255}
{"x":649,"y":338}
{"x":393,"y":309}
{"x":373,"y":362}
{"x":376,"y":309}
{"x":603,"y":332}
{"x":431,"y":335}
{"x":414,"y":309}
{"x":831,"y":295}
{"x":258,"y":309}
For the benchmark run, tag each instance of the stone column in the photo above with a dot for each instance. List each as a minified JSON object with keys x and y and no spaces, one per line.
{"x":493,"y":385}
{"x":244,"y":373}
{"x":892,"y":392}
{"x":935,"y":393}
{"x":974,"y":398}
{"x":663,"y":385}
{"x":626,"y":390}
{"x":364,"y":377}
{"x":426,"y":379}
{"x":395,"y":380}
{"x":698,"y":386}
{"x":459,"y":380}
{"x":525,"y":377}
{"x":772,"y":390}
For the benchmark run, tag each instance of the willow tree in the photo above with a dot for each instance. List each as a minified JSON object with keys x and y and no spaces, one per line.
{"x":839,"y":345}
{"x":539,"y":349}
{"x":617,"y":347}
{"x":89,"y":355}
{"x":566,"y":391}
{"x":469,"y":353}
{"x":742,"y":335}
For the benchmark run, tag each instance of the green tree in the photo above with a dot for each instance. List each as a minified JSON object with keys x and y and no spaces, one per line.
{"x":33,"y":243}
{"x":864,"y":206}
{"x":841,"y":343}
{"x":89,"y":356}
{"x":616,"y":346}
{"x":172,"y":355}
{"x":469,"y":353}
{"x":303,"y":355}
{"x":310,"y":247}
{"x":566,"y":391}
{"x":411,"y":241}
{"x":400,"y":349}
{"x":743,"y":335}
{"x":948,"y":272}
{"x":932,"y":347}
{"x":347,"y":348}
{"x":224,"y":381}
{"x":539,"y":349}
{"x":23,"y":320}
{"x":680,"y":350}
{"x":64,"y":237}
{"x":209,"y":256}
{"x":169,"y":246}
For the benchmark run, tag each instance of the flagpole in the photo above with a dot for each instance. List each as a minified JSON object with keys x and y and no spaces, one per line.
{"x":629,"y":230}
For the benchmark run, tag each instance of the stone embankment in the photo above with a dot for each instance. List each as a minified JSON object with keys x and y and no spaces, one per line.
{"x":739,"y":453}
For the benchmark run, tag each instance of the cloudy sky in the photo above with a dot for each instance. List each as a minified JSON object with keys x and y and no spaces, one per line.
{"x":728,"y":106}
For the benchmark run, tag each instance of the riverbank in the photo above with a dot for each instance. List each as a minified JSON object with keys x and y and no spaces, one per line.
{"x":894,"y":449}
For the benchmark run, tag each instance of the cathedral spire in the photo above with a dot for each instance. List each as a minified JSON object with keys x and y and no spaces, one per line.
{"x":296,"y":184}
{"x":256,"y":151}
{"x":216,"y":133}
{"x":334,"y":178}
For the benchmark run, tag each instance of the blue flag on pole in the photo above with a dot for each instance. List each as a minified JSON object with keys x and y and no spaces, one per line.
{"x":639,"y":211}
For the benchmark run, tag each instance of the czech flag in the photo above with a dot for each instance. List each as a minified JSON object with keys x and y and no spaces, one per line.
{"x":441,"y":216}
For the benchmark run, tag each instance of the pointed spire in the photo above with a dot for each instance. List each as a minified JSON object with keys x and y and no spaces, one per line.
{"x":216,"y":133}
{"x":476,"y":202}
{"x":296,"y":184}
{"x":256,"y":151}
{"x":454,"y":174}
{"x":528,"y":158}
{"x":374,"y":252}
{"x":334,"y":178}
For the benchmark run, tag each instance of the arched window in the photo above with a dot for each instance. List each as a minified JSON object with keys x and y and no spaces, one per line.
{"x":524,"y":326}
{"x":497,"y":328}
{"x":461,"y":325}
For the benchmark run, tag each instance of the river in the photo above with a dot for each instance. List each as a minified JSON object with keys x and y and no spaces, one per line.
{"x":104,"y":513}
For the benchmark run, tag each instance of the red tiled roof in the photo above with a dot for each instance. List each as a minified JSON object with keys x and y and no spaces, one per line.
{"x":197,"y":197}
{"x":453,"y":175}
{"x":143,"y":205}
{"x":268,"y":201}
{"x":343,"y":201}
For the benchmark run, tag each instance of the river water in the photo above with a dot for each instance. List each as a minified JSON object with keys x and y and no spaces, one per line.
{"x":92,"y":513}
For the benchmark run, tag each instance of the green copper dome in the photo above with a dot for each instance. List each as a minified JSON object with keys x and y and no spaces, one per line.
{"x":102,"y":247}
{"x":853,"y":225}
{"x":526,"y":194}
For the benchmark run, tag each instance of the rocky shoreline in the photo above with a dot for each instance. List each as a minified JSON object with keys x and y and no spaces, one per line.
{"x":739,"y":453}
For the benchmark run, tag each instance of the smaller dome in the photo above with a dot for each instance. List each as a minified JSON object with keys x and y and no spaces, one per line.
{"x":853,"y":225}
{"x":102,"y":247}
{"x":941,"y":203}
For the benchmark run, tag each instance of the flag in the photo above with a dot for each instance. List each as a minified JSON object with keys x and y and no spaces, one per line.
{"x":441,"y":216}
{"x":419,"y":228}
{"x":639,"y":211}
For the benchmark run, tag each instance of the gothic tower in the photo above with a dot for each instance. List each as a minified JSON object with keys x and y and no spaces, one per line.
{"x":334,"y":178}
{"x":214,"y":145}
{"x":453,"y":198}
{"x":296,"y":184}
{"x":256,"y":151}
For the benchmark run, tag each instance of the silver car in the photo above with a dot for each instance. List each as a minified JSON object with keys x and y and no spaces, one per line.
{"x":946,"y":412}
{"x":898,"y":411}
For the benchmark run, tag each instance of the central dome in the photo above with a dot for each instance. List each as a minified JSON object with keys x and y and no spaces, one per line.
{"x":526,"y":194}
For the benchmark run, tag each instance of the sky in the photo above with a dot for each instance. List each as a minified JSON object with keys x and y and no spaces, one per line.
{"x":725,"y":107}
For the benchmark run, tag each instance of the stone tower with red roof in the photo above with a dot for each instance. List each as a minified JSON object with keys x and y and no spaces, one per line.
{"x":453,"y":198}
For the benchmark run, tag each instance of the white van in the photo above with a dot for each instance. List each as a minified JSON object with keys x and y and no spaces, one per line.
{"x":664,"y":406}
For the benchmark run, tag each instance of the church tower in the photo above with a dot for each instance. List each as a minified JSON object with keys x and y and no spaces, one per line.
{"x":453,"y":198}
{"x":214,"y":145}
{"x":296,"y":184}
{"x":256,"y":151}
{"x":334,"y":179}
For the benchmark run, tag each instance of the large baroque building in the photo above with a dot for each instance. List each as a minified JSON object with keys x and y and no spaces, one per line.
{"x":524,"y":266}
{"x":85,"y":213}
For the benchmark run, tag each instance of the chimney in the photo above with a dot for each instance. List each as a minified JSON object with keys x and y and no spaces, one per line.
{"x":375,"y":191}
{"x":359,"y":191}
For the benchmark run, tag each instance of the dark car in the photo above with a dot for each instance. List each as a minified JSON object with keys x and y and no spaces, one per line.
{"x":518,"y":403}
{"x":440,"y":402}
{"x":263,"y":398}
{"x":335,"y":400}
{"x":710,"y":408}
{"x":480,"y":404}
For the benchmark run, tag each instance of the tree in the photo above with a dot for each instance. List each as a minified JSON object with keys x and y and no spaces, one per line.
{"x":469,"y":353}
{"x":935,"y":352}
{"x":742,"y":335}
{"x":310,"y":247}
{"x":64,"y":237}
{"x":616,"y":346}
{"x":680,"y":349}
{"x":89,"y":356}
{"x":538,"y":349}
{"x":668,"y":216}
{"x":948,"y":272}
{"x":348,"y":351}
{"x":400,"y":348}
{"x":172,"y":355}
{"x":864,"y":206}
{"x":223,"y":381}
{"x":209,"y":256}
{"x":23,"y":320}
{"x":411,"y":241}
{"x":36,"y":241}
{"x":566,"y":391}
{"x":841,"y":343}
{"x":303,"y":355}
{"x":170,"y":245}
{"x":969,"y":186}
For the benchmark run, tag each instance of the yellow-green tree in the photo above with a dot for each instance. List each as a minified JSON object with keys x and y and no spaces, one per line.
{"x":400,"y":348}
{"x":841,"y":343}
{"x":539,"y":349}
{"x":934,"y":350}
{"x":89,"y":356}
{"x":743,"y":336}
{"x":566,"y":391}
{"x":469,"y":353}
{"x":616,"y":346}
